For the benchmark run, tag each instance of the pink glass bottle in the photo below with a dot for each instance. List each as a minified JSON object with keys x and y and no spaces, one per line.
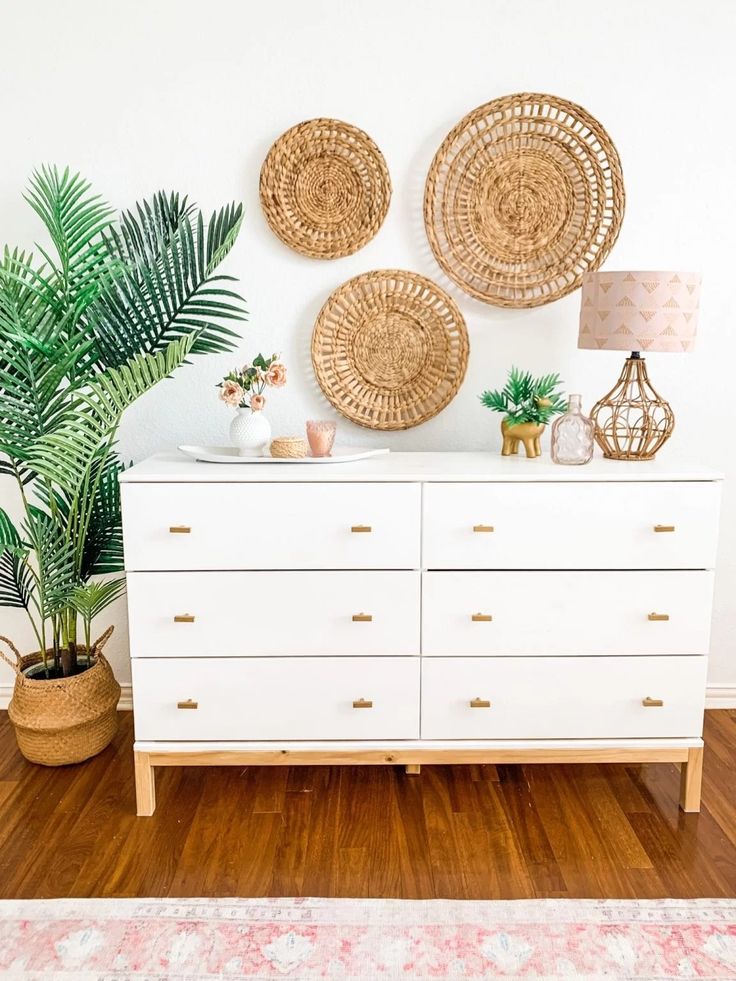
{"x":572,"y":435}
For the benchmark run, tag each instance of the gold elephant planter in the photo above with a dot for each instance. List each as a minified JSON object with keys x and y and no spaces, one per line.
{"x":527,"y":433}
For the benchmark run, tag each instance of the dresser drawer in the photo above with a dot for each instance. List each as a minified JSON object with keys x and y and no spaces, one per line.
{"x":655,"y":525}
{"x":562,"y":697}
{"x":195,"y":614}
{"x":527,"y":613}
{"x":271,"y":526}
{"x":277,"y":698}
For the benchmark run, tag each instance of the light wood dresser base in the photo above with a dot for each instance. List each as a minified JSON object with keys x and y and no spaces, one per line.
{"x":689,"y":755}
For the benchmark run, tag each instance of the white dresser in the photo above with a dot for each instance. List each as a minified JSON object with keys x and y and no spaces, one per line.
{"x":419,"y":608}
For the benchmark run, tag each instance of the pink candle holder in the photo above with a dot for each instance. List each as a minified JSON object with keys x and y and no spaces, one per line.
{"x":321,"y":436}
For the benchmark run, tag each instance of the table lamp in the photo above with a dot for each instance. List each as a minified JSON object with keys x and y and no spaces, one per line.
{"x":637,"y":312}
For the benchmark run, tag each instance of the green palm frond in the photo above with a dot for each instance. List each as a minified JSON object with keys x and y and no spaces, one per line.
{"x":55,"y":555}
{"x":144,"y":232}
{"x":102,"y":551}
{"x":17,"y":583}
{"x":88,"y":601}
{"x":75,"y":219}
{"x":168,"y":288}
{"x":17,"y":580}
{"x":91,"y":599}
{"x":527,"y":399}
{"x":66,"y":453}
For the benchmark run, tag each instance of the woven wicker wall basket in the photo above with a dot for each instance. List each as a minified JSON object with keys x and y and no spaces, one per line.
{"x":523,"y":196}
{"x":389,"y":349}
{"x":64,"y":720}
{"x":325,"y":188}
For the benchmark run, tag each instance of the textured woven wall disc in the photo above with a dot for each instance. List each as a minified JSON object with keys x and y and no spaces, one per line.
{"x":325,"y":188}
{"x":523,"y":196}
{"x":389,"y":349}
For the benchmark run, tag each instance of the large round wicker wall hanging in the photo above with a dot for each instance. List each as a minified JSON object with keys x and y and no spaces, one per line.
{"x":325,"y":188}
{"x":389,"y":349}
{"x":523,"y":196}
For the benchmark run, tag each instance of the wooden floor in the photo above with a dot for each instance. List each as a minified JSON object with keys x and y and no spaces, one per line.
{"x":462,"y":832}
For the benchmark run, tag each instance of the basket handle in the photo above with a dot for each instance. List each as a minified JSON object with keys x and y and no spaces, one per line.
{"x":100,"y":643}
{"x":14,"y":665}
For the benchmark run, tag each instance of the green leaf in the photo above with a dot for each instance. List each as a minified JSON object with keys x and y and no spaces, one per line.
{"x":65,"y":453}
{"x":75,"y":219}
{"x":55,"y":555}
{"x":103,"y":544}
{"x":520,"y":398}
{"x":92,"y":598}
{"x":17,"y":582}
{"x":168,"y":289}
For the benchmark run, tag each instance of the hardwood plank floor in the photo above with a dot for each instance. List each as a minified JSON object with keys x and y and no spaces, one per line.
{"x":472,"y":832}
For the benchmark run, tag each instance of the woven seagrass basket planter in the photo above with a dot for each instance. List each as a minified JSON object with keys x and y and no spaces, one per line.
{"x":64,"y":720}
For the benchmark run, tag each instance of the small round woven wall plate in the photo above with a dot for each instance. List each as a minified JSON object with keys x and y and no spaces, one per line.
{"x":325,"y":188}
{"x":523,"y":196}
{"x":389,"y":349}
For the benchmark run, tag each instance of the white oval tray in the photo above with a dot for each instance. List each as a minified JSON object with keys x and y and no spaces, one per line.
{"x":229,"y":454}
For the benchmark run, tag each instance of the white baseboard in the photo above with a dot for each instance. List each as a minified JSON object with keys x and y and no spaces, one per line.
{"x":720,"y":697}
{"x":716,"y":697}
{"x":125,"y":703}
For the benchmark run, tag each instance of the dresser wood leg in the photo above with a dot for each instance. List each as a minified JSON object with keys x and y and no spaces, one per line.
{"x":691,"y":779}
{"x":414,"y":768}
{"x":145,"y":785}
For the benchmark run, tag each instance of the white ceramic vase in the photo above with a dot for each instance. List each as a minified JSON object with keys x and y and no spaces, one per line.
{"x":250,"y":431}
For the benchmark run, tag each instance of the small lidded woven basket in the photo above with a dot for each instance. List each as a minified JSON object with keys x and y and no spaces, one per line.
{"x":289,"y":447}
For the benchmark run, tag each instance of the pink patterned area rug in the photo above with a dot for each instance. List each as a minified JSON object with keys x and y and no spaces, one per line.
{"x":184,"y":940}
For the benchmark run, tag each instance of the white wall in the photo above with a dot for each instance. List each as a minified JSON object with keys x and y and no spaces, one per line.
{"x":144,"y":94}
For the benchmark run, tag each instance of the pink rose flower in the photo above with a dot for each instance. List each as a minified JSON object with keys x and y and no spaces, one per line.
{"x":257,"y":402}
{"x":231,"y":393}
{"x":276,"y":375}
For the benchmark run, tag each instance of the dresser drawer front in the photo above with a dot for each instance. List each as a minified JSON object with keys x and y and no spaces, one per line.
{"x":571,"y":525}
{"x":602,"y":613}
{"x":562,"y":697}
{"x":276,"y":698}
{"x":206,"y":614}
{"x":271,"y":526}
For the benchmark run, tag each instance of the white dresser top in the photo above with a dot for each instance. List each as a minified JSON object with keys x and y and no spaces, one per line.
{"x":487,"y":466}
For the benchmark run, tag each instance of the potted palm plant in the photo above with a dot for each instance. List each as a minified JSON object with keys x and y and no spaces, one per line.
{"x":527,"y":404}
{"x":116,"y":304}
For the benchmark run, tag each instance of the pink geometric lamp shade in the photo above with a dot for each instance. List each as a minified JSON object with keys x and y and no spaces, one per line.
{"x":639,"y":311}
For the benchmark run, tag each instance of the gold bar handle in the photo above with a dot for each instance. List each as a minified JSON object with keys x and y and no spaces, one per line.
{"x":189,"y":704}
{"x":362,"y":617}
{"x":361,"y":529}
{"x":183,"y":618}
{"x":483,"y":528}
{"x":658,"y":616}
{"x":481,"y":617}
{"x":362,"y":703}
{"x":652,"y":702}
{"x":661,"y":528}
{"x":479,"y":703}
{"x":180,"y":530}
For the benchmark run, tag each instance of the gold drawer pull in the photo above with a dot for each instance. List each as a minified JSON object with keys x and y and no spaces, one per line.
{"x":483,"y":528}
{"x":649,"y":703}
{"x":480,"y":703}
{"x":362,"y":703}
{"x":481,"y":617}
{"x":658,"y":616}
{"x":180,"y":530}
{"x":361,"y":529}
{"x":183,"y":618}
{"x":362,"y":617}
{"x":189,"y":704}
{"x":664,"y":527}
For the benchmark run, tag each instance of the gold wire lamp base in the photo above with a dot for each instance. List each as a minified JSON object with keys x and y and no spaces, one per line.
{"x":632,"y":422}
